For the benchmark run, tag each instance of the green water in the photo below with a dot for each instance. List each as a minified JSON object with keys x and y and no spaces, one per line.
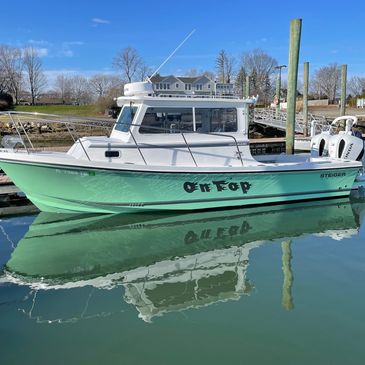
{"x":275,"y":285}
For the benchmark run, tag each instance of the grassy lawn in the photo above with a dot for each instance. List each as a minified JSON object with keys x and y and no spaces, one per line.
{"x":76,"y":110}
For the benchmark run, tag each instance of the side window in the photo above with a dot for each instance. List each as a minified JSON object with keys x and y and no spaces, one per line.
{"x":167,"y":120}
{"x":216,"y":120}
{"x":125,"y":118}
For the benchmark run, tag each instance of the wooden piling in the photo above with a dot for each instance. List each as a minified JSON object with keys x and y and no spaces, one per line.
{"x":343,"y":89}
{"x":305,"y":97}
{"x":294,"y":46}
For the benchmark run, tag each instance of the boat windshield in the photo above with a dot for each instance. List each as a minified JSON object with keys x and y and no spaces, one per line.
{"x":125,"y":118}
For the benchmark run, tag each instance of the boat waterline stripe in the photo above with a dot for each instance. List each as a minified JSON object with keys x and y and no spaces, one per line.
{"x":235,"y":171}
{"x":172,"y":202}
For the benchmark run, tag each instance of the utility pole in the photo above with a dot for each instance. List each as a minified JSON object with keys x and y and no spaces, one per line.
{"x":343,"y":89}
{"x":247,"y":91}
{"x":278,"y":89}
{"x":305,"y":97}
{"x":294,"y":46}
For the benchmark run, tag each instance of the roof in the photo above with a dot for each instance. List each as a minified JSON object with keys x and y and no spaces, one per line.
{"x":185,"y":79}
{"x":185,"y":101}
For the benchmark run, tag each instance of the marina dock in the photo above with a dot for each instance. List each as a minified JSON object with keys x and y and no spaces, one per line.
{"x":12,"y":200}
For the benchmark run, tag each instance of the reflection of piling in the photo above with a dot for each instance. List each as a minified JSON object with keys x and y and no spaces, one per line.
{"x":295,"y":31}
{"x":305,"y":98}
{"x":343,"y":89}
{"x":287,"y":299}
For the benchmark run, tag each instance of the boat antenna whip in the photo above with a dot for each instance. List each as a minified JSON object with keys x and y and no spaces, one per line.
{"x":171,"y":54}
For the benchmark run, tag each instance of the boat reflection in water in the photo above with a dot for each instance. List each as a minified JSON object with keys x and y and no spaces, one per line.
{"x":163,"y":262}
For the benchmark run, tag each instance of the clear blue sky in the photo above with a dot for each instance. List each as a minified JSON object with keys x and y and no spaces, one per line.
{"x":84,"y":36}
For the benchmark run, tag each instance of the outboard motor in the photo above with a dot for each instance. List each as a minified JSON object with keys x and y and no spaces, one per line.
{"x":346,"y":147}
{"x":320,"y":144}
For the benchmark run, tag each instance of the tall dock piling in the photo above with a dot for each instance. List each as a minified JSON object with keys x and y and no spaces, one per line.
{"x":343,"y":89}
{"x":294,"y":46}
{"x":305,"y":97}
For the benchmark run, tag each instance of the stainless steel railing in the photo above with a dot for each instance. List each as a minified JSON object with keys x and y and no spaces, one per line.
{"x":19,"y":121}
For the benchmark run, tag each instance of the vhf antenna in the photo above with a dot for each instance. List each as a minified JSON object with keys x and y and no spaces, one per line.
{"x":173,"y":52}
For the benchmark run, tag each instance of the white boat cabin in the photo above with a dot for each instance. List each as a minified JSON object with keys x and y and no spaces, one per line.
{"x":173,"y":130}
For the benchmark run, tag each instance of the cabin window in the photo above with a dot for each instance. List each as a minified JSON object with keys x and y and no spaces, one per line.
{"x":216,"y":120}
{"x":167,"y":120}
{"x":125,"y":118}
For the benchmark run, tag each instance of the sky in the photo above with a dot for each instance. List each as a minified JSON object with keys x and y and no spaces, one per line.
{"x":83,"y":37}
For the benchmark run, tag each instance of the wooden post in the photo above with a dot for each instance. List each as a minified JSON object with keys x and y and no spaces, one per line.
{"x":287,"y":298}
{"x":294,"y":46}
{"x":247,"y":91}
{"x":343,"y":89}
{"x":305,"y":97}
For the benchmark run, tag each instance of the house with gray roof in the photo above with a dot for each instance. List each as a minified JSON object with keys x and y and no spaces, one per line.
{"x":199,"y":85}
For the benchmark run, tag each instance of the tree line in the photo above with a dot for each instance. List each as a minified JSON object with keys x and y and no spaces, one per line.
{"x":22,"y":76}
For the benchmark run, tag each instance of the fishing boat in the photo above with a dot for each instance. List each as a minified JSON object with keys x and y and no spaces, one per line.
{"x":173,"y":152}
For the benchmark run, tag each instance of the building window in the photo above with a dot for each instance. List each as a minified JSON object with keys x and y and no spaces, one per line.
{"x":167,"y":120}
{"x":168,"y":86}
{"x":199,"y":87}
{"x":216,"y":120}
{"x":187,"y":86}
{"x":177,"y":86}
{"x":208,"y":86}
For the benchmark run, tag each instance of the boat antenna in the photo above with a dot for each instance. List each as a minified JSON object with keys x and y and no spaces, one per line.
{"x":171,"y":54}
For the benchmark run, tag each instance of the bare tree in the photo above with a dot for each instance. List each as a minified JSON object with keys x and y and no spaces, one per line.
{"x":35,"y":77}
{"x":356,"y":86}
{"x":225,"y":66}
{"x":63,"y":87}
{"x":192,"y":72}
{"x":80,"y":90}
{"x":260,"y":67}
{"x":129,"y":63}
{"x":11,"y":66}
{"x":326,"y":80}
{"x":240,"y":82}
{"x":101,"y":84}
{"x":209,"y":74}
{"x":144,"y":71}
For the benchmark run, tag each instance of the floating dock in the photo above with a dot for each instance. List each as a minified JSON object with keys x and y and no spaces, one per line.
{"x":12,"y":200}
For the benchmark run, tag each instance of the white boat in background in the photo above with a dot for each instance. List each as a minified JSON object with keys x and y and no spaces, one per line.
{"x":173,"y":152}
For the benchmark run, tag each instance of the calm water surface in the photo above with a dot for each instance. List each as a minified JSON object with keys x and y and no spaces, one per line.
{"x":273,"y":285}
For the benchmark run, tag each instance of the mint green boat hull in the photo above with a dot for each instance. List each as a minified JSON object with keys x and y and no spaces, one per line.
{"x":76,"y":189}
{"x":83,"y":247}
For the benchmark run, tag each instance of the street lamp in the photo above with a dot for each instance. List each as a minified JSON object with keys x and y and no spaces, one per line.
{"x":278,"y":88}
